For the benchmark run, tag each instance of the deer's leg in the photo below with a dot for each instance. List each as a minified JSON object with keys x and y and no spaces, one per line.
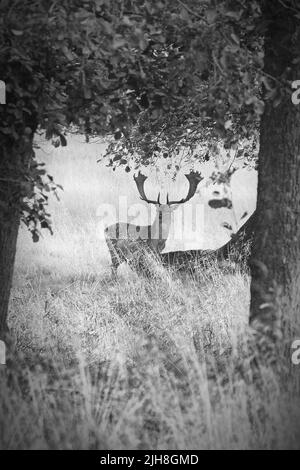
{"x":116,"y":259}
{"x":115,"y":262}
{"x":114,"y":268}
{"x":139,"y":261}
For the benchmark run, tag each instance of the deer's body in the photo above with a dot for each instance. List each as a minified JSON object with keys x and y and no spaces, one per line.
{"x":130,"y":243}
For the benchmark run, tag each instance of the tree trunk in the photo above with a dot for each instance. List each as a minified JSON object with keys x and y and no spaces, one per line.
{"x":8,"y":243}
{"x":275,"y":260}
{"x":14,"y":161}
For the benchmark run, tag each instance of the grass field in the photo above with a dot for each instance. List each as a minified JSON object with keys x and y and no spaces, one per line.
{"x":133,"y":363}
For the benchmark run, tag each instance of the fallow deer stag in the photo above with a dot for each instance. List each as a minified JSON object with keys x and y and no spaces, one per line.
{"x":132,"y":243}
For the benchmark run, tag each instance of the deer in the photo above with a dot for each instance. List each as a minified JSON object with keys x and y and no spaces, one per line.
{"x":132,"y":243}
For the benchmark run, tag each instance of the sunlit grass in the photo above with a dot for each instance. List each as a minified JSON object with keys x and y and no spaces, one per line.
{"x":164,"y":363}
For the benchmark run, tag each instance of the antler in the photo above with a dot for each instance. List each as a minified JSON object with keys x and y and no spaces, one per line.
{"x":194,"y":178}
{"x":139,"y":181}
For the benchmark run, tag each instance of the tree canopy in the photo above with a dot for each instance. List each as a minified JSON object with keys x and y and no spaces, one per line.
{"x":158,"y":76}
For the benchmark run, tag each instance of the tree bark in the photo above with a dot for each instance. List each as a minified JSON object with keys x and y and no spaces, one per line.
{"x":275,"y":259}
{"x":8,"y":242}
{"x":14,"y":160}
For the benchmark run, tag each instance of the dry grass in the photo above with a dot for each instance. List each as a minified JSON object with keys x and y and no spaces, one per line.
{"x":164,"y":363}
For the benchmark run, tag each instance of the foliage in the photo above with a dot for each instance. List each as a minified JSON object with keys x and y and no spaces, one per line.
{"x":162,"y":76}
{"x":210,"y":65}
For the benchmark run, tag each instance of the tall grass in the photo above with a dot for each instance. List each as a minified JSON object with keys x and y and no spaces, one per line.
{"x":159,"y":363}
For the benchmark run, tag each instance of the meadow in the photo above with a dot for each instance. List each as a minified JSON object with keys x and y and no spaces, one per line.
{"x":133,"y":362}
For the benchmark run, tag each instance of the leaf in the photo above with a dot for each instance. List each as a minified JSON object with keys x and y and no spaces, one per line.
{"x":126,"y":21}
{"x":55,"y":142}
{"x":44,"y":224}
{"x":6,"y":130}
{"x":35,"y":237}
{"x":228,"y":124}
{"x":227,"y":226}
{"x":234,"y":14}
{"x":69,"y":55}
{"x":211,"y":15}
{"x":118,"y":135}
{"x":17,"y":32}
{"x":117,"y":43}
{"x":184,"y":14}
{"x":259,"y":106}
{"x":235,"y":38}
{"x":108,"y":29}
{"x":87,"y":92}
{"x":220,"y":203}
{"x":86,"y":50}
{"x":63,"y":140}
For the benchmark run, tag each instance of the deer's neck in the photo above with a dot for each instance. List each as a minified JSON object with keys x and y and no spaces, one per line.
{"x":160,"y":230}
